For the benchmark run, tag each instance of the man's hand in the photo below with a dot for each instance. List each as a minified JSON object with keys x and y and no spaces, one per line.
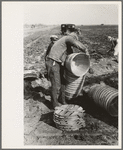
{"x":109,"y":38}
{"x":112,"y":38}
{"x":86,"y":52}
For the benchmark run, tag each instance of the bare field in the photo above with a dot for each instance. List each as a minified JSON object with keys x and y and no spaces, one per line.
{"x":39,"y":128}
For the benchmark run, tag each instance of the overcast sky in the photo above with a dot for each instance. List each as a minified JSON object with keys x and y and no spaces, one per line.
{"x":71,"y":12}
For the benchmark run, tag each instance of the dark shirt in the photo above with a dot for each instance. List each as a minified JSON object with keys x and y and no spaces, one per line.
{"x":48,"y":49}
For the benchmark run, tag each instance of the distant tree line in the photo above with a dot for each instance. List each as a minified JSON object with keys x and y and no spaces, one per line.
{"x":33,"y":25}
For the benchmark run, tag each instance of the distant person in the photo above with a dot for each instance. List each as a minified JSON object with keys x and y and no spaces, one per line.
{"x":55,"y":64}
{"x":115,"y":46}
{"x":116,"y":49}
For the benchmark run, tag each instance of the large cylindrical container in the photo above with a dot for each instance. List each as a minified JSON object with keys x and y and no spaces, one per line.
{"x":106,"y":97}
{"x":73,"y":89}
{"x":77,"y":65}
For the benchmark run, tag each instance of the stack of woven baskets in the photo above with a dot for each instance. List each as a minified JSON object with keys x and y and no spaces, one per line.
{"x":69,"y":117}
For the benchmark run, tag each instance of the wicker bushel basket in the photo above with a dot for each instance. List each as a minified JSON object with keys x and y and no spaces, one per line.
{"x":69,"y":117}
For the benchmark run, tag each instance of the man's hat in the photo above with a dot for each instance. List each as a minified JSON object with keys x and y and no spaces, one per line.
{"x":54,"y":37}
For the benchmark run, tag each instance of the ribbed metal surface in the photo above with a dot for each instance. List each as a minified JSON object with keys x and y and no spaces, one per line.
{"x":77,"y":65}
{"x":73,"y":85}
{"x":106,"y":97}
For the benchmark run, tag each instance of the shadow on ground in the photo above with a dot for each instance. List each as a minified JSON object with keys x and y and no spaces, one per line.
{"x":48,"y":118}
{"x":84,"y":101}
{"x":97,"y":112}
{"x":87,"y":104}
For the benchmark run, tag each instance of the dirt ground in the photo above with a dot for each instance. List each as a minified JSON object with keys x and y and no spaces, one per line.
{"x":39,"y":128}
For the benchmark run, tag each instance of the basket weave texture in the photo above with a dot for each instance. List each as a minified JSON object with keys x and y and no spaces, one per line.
{"x":69,"y":117}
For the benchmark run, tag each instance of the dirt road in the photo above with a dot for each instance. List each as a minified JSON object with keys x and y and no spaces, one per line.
{"x":29,"y":31}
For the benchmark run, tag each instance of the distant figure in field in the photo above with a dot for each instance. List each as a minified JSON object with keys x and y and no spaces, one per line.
{"x":115,"y":45}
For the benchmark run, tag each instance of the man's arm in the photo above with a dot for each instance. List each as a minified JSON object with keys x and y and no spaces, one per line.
{"x":72,"y":42}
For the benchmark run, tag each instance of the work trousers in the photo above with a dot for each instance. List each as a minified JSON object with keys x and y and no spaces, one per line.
{"x":55,"y":75}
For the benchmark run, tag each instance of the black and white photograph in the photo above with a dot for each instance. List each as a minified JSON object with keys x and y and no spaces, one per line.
{"x":68,"y":74}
